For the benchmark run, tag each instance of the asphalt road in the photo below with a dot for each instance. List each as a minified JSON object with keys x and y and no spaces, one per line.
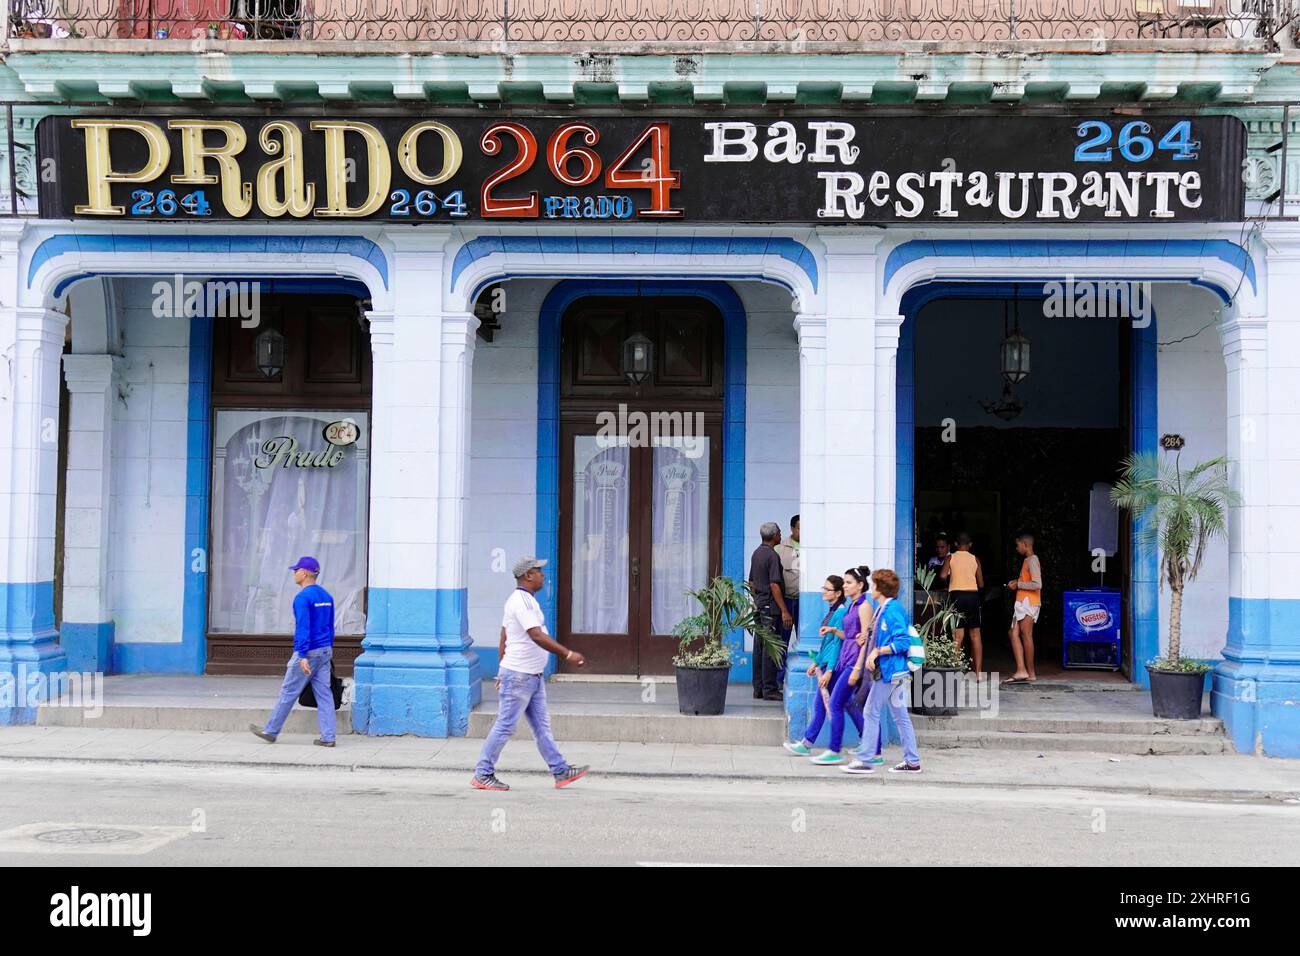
{"x":222,"y":816}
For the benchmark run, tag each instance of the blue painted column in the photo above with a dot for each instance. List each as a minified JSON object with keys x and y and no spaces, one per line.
{"x":417,"y":673}
{"x":1255,"y":689}
{"x":29,"y":446}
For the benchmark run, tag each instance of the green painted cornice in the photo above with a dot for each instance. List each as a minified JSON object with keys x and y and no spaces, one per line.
{"x":826,"y":74}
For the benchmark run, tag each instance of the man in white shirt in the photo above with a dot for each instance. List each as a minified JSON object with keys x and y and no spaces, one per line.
{"x":524,"y":647}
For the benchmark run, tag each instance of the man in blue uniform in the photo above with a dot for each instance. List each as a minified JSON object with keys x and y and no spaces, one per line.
{"x":313,"y":649}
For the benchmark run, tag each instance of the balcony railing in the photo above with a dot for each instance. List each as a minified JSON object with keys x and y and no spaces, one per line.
{"x":584,"y":21}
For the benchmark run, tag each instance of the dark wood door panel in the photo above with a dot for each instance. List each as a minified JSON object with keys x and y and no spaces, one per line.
{"x":687,"y":378}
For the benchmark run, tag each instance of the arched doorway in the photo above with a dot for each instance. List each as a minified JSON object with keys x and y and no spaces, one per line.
{"x":640,"y":496}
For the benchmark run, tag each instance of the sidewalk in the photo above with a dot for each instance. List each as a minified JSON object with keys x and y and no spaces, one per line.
{"x":1216,"y":777}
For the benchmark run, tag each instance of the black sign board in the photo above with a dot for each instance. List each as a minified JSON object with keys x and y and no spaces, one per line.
{"x":898,"y":169}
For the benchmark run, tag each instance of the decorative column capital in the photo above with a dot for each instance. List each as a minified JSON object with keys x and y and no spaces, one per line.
{"x":888,"y":330}
{"x":381,"y":325}
{"x":40,"y":325}
{"x":811,"y":329}
{"x":1244,"y":334}
{"x":91,"y":372}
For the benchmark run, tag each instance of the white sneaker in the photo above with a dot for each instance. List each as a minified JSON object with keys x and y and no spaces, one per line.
{"x":858,"y":767}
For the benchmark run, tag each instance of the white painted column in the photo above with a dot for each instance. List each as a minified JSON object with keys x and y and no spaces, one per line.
{"x":417,"y":674}
{"x":86,"y":632}
{"x":837,"y":426}
{"x":31,"y":342}
{"x":848,"y":416}
{"x":1256,"y":688}
{"x":886,"y":450}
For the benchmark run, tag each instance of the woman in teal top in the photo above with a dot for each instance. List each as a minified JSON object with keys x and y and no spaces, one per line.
{"x":823,"y":666}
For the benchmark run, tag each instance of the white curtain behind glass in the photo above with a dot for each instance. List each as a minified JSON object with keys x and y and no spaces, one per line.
{"x":681,"y":532}
{"x":264,"y":519}
{"x":600,"y":537}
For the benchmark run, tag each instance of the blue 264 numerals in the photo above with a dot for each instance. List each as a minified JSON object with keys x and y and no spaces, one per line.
{"x":426,"y":203}
{"x":1134,"y":142}
{"x":145,"y":202}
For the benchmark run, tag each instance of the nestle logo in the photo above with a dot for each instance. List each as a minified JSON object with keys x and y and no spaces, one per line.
{"x":1092,"y":617}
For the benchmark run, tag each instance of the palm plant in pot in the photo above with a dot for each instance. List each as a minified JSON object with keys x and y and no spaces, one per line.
{"x":935,"y":693}
{"x":1180,"y":513}
{"x":703,"y":659}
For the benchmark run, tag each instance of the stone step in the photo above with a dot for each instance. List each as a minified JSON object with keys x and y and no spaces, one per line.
{"x":1060,"y":723}
{"x":1092,"y":742}
{"x":225,"y":719}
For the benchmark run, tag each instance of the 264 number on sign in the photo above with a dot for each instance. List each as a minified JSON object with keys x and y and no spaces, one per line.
{"x":579,"y":165}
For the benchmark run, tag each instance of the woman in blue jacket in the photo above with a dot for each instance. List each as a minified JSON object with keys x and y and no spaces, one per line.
{"x":892,"y":682}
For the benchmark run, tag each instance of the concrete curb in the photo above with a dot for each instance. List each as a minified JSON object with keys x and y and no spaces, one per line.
{"x":1198,"y":793}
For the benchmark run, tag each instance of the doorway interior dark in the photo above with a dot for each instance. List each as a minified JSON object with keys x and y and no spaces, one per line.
{"x":995,"y":462}
{"x":640,"y":497}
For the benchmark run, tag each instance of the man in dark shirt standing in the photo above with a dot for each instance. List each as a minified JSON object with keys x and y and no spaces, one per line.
{"x":766,"y":580}
{"x":313,"y":649}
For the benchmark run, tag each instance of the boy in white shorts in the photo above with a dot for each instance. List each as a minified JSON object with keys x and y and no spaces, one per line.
{"x":1028,"y":591}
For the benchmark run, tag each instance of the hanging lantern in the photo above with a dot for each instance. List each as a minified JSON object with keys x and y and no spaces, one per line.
{"x":638,"y":358}
{"x":1015,"y":347}
{"x":1015,"y":358}
{"x":269,"y":350}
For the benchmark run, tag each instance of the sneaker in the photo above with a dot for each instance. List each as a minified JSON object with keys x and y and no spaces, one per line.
{"x":829,"y":759}
{"x":323,"y":743}
{"x":258,"y":731}
{"x":859,"y":767}
{"x":570,"y":775}
{"x":489,"y":782}
{"x":800,"y":749}
{"x":906,"y":767}
{"x":877,"y":760}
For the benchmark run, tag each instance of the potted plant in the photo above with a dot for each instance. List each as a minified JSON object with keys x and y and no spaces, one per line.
{"x":935,"y":691}
{"x":213,"y":30}
{"x":703,"y":660}
{"x":1179,"y":512}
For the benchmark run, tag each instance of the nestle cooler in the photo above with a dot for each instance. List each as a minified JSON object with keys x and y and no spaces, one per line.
{"x":1091,"y":628}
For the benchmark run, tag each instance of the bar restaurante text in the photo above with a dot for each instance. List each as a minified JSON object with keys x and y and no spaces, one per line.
{"x":625,"y":170}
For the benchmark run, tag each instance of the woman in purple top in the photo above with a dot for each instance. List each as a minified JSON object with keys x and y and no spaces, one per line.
{"x":852,"y":650}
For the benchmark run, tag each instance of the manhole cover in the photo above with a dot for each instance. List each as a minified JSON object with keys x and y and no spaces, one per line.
{"x":87,"y":836}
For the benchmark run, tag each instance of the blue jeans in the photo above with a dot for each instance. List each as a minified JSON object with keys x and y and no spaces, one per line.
{"x":895,"y":696}
{"x":841,"y":704}
{"x":295,"y":680}
{"x":520,"y":694}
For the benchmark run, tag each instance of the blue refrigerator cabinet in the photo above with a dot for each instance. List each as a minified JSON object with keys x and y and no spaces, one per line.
{"x":1091,"y":628}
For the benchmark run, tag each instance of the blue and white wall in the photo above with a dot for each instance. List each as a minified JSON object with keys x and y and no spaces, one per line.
{"x":147,"y":551}
{"x":1192,"y":391}
{"x":502,"y":509}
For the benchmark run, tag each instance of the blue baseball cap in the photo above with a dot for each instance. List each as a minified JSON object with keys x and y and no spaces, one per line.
{"x":306,"y":563}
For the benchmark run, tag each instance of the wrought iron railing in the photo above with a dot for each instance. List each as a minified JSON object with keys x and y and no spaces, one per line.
{"x":582,"y":21}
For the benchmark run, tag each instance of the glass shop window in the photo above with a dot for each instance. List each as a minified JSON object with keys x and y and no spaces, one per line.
{"x":285,"y":484}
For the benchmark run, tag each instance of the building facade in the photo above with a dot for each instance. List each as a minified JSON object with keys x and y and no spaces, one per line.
{"x":318,"y":287}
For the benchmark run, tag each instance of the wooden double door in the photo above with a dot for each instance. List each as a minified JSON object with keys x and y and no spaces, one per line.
{"x":640,"y":498}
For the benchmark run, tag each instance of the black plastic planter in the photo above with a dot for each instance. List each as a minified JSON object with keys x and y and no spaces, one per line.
{"x":1176,"y":695}
{"x":702,"y":691}
{"x":934,"y":691}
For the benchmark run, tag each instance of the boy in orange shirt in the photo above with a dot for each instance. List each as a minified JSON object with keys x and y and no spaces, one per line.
{"x":1028,"y":591}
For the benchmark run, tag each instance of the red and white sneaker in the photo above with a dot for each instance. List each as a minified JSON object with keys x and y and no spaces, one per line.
{"x":570,"y":775}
